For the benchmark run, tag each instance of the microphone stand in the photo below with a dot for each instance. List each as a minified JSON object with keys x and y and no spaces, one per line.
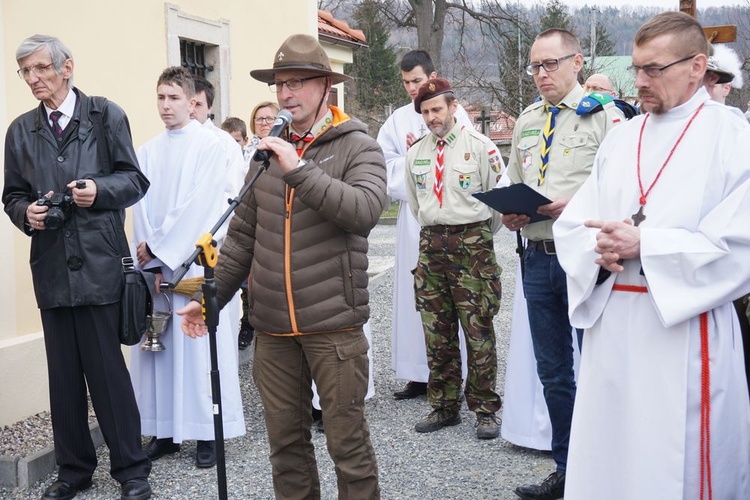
{"x":206,"y":255}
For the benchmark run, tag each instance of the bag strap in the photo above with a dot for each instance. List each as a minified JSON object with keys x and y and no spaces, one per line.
{"x":97,"y":107}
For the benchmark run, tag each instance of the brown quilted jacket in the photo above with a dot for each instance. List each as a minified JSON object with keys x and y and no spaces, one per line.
{"x":303,"y":235}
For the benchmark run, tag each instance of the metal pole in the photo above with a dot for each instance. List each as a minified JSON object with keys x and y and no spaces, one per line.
{"x":520,"y":64}
{"x":593,"y":40}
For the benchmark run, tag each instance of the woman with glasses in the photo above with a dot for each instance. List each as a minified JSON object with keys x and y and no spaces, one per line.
{"x":261,"y":121}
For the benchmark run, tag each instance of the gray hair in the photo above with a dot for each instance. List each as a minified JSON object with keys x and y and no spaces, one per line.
{"x":57,"y":51}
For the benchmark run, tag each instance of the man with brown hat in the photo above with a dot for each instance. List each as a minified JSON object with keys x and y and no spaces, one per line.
{"x":303,"y":229}
{"x":457,"y":277}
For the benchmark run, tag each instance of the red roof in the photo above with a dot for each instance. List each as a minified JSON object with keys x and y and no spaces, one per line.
{"x":329,"y":25}
{"x":501,"y":126}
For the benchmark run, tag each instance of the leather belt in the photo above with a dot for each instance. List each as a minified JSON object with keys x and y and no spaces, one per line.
{"x":548,"y":246}
{"x":454,"y":228}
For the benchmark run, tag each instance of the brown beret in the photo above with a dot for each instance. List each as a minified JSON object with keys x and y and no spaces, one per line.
{"x":431,"y":88}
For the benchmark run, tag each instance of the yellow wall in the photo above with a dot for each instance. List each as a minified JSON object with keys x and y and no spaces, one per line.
{"x":119,"y":50}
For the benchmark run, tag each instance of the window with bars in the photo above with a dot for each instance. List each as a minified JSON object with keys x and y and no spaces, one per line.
{"x":333,"y":97}
{"x":193,"y":57}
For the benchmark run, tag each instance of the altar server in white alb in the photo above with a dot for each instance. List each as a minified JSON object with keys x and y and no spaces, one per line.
{"x":186,"y":165}
{"x":655,"y":246}
{"x":404,"y":127}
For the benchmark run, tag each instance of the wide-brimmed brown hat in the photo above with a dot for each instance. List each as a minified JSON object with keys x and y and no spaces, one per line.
{"x":300,"y":53}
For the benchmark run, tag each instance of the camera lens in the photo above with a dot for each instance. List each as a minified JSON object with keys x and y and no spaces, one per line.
{"x":55,"y":218}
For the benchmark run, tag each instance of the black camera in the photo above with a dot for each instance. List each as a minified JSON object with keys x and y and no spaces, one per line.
{"x":60,"y":207}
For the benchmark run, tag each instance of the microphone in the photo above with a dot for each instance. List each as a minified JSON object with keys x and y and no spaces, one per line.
{"x":283,"y":119}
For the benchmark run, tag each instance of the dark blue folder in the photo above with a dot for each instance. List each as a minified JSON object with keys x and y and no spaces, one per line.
{"x":515,"y":199}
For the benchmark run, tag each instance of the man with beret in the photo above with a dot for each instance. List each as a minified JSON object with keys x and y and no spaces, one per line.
{"x":457,"y":277}
{"x":398,"y":133}
{"x":303,"y":229}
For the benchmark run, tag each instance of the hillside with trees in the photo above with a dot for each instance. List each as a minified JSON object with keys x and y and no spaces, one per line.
{"x":485,"y":44}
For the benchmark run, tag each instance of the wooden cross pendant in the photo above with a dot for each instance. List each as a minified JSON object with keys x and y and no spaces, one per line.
{"x":638,"y":217}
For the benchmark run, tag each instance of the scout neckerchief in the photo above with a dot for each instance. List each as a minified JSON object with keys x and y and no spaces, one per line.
{"x":549,"y":131}
{"x":438,"y":188}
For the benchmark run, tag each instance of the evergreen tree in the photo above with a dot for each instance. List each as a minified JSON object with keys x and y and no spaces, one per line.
{"x":377,"y":82}
{"x":556,"y":15}
{"x":604,"y":44}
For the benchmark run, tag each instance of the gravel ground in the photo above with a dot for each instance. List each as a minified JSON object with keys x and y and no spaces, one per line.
{"x":447,"y":464}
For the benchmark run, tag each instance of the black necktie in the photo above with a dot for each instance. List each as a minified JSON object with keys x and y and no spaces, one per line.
{"x":56,"y":128}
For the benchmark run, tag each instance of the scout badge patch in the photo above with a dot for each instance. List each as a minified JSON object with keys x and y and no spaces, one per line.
{"x":421,"y":181}
{"x":526,"y":159}
{"x":495,"y":162}
{"x":464,"y":180}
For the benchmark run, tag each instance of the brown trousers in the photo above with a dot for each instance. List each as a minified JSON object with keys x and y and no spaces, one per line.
{"x":283,"y":370}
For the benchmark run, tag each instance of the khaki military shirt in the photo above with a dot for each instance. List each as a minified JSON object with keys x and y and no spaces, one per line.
{"x":574,"y":144}
{"x":471,"y":164}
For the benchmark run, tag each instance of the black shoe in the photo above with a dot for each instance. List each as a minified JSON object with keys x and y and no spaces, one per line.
{"x":63,"y":490}
{"x":205,"y":454}
{"x":411,"y":390}
{"x":551,"y":488}
{"x":136,"y":489}
{"x":157,"y":448}
{"x":245,"y":338}
{"x":438,"y":419}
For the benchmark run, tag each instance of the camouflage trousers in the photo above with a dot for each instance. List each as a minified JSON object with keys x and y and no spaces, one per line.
{"x":457,"y":279}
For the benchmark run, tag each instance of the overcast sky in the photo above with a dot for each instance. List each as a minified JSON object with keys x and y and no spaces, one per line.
{"x":666,"y":4}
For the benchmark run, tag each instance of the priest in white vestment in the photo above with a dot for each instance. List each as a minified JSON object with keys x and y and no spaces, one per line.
{"x":404,"y":127}
{"x":186,"y":165}
{"x":655,"y":246}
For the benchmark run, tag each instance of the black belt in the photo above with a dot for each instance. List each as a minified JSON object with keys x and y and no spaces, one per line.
{"x":455,"y":228}
{"x":547,"y":245}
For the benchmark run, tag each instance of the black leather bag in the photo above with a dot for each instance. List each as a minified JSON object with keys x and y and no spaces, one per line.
{"x":136,"y":305}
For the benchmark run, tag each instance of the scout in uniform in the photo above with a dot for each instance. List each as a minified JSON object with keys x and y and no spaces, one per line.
{"x":457,"y":276}
{"x":554,"y":144}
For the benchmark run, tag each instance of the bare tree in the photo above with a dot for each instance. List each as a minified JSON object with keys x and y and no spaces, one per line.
{"x":430,"y":17}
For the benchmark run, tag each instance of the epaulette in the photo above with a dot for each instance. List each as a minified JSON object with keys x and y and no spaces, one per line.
{"x":593,"y":103}
{"x":539,"y":103}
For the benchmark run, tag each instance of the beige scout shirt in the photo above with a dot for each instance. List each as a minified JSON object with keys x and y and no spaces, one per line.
{"x":472,"y":164}
{"x":574,"y":144}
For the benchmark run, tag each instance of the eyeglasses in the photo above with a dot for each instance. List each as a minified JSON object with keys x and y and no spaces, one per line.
{"x":656,"y":71}
{"x":293,"y":84}
{"x":594,"y":88}
{"x":267,"y":120}
{"x":548,"y":65}
{"x":37,"y":69}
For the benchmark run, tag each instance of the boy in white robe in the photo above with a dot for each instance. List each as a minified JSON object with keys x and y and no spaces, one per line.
{"x":662,"y":408}
{"x":187,"y":167}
